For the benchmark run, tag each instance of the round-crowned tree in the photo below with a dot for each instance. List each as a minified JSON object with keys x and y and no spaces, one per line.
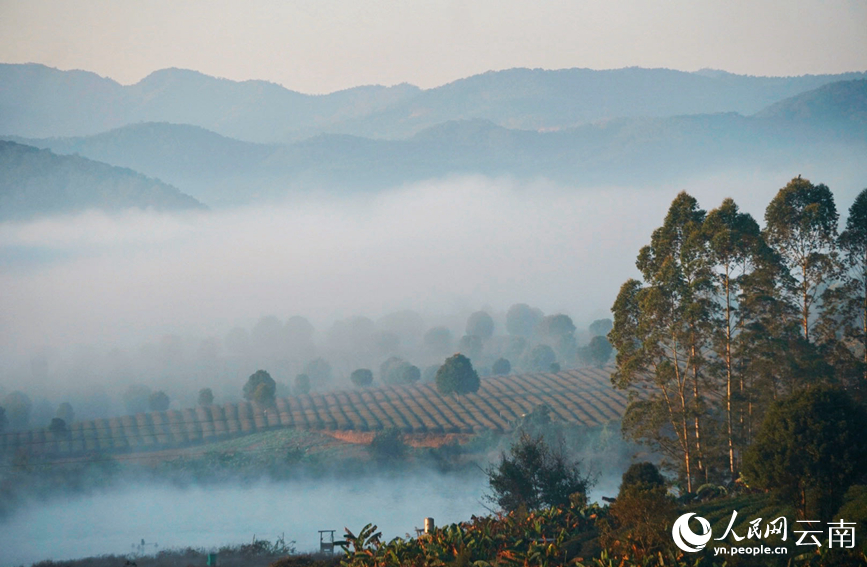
{"x":396,"y":370}
{"x":158,"y":401}
{"x":263,"y":396}
{"x":540,"y":358}
{"x":361,"y":377}
{"x":481,"y":325}
{"x":555,"y":326}
{"x":457,"y":376}
{"x":206,"y":397}
{"x":521,"y":319}
{"x":501,"y":367}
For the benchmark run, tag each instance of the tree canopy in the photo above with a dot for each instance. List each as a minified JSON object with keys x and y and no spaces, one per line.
{"x":260,"y":388}
{"x":457,"y":376}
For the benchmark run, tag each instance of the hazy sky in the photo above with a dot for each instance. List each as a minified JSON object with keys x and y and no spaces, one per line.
{"x":324,"y":45}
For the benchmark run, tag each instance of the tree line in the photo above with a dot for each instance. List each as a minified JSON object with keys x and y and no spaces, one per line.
{"x":729,"y":317}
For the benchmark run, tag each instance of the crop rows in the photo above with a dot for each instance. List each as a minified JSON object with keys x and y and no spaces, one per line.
{"x":578,"y":396}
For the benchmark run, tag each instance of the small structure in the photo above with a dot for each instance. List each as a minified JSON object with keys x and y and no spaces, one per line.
{"x":429,"y":525}
{"x":326,"y":543}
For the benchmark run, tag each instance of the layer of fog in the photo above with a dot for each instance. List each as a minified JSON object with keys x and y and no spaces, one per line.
{"x":111,"y":522}
{"x":79,"y":288}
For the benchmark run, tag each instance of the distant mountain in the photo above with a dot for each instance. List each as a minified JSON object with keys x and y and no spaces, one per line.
{"x":36,"y":182}
{"x":206,"y":165}
{"x":39,"y":102}
{"x":838,"y":107}
{"x":826,"y":123}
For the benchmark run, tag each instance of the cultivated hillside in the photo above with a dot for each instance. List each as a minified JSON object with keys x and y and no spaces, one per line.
{"x":585,"y":397}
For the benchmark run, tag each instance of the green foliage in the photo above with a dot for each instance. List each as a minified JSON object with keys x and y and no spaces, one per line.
{"x":555,"y":326}
{"x":397,"y":371}
{"x":58,"y":427}
{"x":521,"y":319}
{"x":361,"y":377}
{"x":540,"y":358}
{"x":481,"y":325}
{"x":388,"y":445}
{"x":302,"y":385}
{"x":597,"y":353}
{"x":810,"y":448}
{"x":158,"y":401}
{"x":801,"y":227}
{"x":457,"y":376}
{"x":600,"y":327}
{"x":533,"y":475}
{"x":642,"y":475}
{"x":260,"y":388}
{"x":206,"y":397}
{"x":501,"y":367}
{"x":640,"y":518}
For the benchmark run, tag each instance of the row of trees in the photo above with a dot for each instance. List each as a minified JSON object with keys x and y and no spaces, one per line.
{"x":730,"y":316}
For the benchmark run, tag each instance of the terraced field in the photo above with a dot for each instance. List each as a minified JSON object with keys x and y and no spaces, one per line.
{"x":577,"y":396}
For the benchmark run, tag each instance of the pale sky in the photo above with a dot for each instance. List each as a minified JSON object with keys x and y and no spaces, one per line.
{"x":318,"y":46}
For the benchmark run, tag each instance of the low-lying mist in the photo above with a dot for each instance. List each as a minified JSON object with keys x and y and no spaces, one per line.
{"x":111,"y":522}
{"x":94,"y":285}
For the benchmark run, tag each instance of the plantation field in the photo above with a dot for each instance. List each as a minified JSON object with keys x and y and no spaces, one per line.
{"x":583,"y":397}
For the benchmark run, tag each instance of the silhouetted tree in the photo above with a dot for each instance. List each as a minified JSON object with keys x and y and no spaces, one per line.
{"x":501,"y":367}
{"x":206,"y":397}
{"x":260,"y":388}
{"x":810,"y":448}
{"x":555,"y":326}
{"x":457,"y":376}
{"x":600,"y":327}
{"x":597,"y":353}
{"x":396,"y":370}
{"x":361,"y":377}
{"x":3,"y":419}
{"x":534,"y":475}
{"x":388,"y":445}
{"x":540,"y":358}
{"x":158,"y":401}
{"x":58,"y":427}
{"x":481,"y":325}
